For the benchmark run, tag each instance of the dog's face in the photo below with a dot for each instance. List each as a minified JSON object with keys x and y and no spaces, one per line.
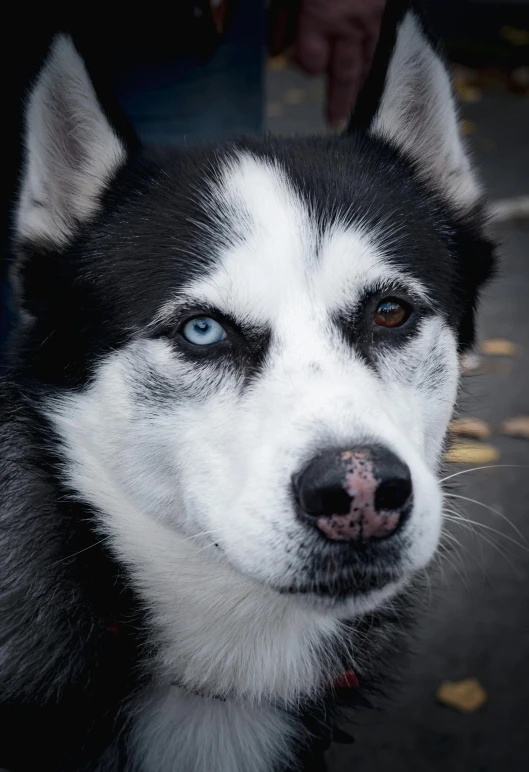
{"x":279,"y":352}
{"x":254,"y":350}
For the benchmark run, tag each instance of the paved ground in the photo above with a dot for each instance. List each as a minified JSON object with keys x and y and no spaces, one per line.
{"x":478,"y":625}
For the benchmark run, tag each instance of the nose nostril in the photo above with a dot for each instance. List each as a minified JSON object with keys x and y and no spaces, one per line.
{"x":332,"y":500}
{"x":392,"y":494}
{"x":335,"y":501}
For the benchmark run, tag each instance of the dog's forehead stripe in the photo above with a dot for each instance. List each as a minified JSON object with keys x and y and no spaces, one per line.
{"x":255,"y":275}
{"x":285,"y":255}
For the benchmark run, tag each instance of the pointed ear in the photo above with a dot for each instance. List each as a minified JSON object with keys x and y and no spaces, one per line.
{"x":408,"y":100}
{"x":71,"y":150}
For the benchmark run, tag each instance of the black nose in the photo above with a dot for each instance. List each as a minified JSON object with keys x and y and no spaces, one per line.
{"x":355,"y":495}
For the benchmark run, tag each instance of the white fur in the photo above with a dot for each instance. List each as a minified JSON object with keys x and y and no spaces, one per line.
{"x":71,"y":150}
{"x":213,"y":735}
{"x":417,"y":113}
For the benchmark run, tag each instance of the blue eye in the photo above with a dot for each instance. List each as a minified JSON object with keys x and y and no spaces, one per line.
{"x":203,"y":331}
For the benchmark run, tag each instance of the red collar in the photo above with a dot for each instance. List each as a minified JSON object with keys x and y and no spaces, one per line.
{"x":347,"y":680}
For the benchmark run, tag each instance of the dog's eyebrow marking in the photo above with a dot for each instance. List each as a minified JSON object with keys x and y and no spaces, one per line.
{"x":354,"y":262}
{"x":168,"y":313}
{"x":405,"y":285}
{"x":182,"y":304}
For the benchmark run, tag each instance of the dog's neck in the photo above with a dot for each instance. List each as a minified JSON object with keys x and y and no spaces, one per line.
{"x":174,"y":729}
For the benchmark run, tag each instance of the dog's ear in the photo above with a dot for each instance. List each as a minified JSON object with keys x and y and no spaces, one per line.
{"x":407,"y":99}
{"x":71,"y":151}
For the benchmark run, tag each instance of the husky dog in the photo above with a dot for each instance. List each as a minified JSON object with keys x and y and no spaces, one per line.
{"x":222,"y":420}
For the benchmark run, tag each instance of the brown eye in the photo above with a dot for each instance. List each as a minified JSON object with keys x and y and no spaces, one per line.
{"x":389,"y":313}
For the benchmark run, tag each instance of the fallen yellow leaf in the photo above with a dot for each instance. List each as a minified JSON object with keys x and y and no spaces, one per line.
{"x":516,"y":427}
{"x":499,"y":347}
{"x":467,"y":127}
{"x":468,"y":93}
{"x":469,"y":363}
{"x":520,"y":77}
{"x":471,"y":453}
{"x":295,"y":96}
{"x":470,"y":427}
{"x":278,"y":62}
{"x":514,"y":35}
{"x":274,"y":109}
{"x":467,"y":695}
{"x":512,"y":208}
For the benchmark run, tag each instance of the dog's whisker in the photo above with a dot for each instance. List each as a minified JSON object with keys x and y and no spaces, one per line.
{"x":79,"y":552}
{"x":212,"y":531}
{"x":490,"y":509}
{"x":429,"y":586}
{"x":204,"y":547}
{"x":456,"y":541}
{"x":463,"y":547}
{"x":488,"y":466}
{"x":449,"y":557}
{"x":471,"y":525}
{"x":464,"y":520}
{"x":478,"y":561}
{"x":501,"y":549}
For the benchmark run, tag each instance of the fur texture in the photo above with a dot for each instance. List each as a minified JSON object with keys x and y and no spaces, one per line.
{"x":163,"y":605}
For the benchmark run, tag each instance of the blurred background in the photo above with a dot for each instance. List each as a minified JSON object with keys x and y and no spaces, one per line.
{"x":230,"y":66}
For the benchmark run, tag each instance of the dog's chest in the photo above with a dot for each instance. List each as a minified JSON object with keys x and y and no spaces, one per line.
{"x":176,"y":730}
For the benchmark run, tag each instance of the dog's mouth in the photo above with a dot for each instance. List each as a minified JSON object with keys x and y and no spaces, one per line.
{"x":337,"y":572}
{"x":343,"y":586}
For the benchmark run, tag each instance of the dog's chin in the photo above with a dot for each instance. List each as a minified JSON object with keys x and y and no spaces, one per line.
{"x":339,"y":588}
{"x":348,"y":597}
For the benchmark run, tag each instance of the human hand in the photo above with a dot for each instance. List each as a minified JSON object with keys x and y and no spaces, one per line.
{"x":338,"y":37}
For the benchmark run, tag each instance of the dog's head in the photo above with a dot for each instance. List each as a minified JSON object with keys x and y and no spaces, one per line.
{"x":250,"y":352}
